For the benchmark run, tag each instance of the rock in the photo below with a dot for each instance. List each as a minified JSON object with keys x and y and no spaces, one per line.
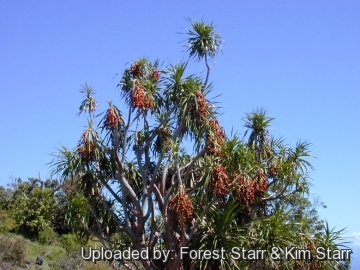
{"x":39,"y":260}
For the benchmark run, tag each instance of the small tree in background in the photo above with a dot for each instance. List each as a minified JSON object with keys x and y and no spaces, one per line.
{"x":165,"y":174}
{"x":28,"y":207}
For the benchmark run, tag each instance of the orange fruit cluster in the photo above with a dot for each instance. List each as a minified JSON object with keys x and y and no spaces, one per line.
{"x":155,"y":75}
{"x":136,"y":70}
{"x":182,"y":206}
{"x":87,"y":151}
{"x":112,"y":118}
{"x":219,"y":184}
{"x":202,"y":106}
{"x":140,"y":99}
{"x":215,"y":138}
{"x":245,"y":190}
{"x":261,"y":182}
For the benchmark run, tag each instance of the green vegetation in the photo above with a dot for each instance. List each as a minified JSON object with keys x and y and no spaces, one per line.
{"x":30,"y":227}
{"x":17,"y":252}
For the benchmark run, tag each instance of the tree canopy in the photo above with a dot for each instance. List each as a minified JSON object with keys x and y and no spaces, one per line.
{"x":160,"y":172}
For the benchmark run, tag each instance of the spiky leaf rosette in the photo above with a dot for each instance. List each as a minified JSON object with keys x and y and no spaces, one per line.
{"x":139,"y":84}
{"x":203,"y":40}
{"x":194,"y":109}
{"x":89,"y":104}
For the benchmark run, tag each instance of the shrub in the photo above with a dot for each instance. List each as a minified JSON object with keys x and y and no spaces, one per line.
{"x":7,"y":223}
{"x":34,"y":212}
{"x":47,"y":236}
{"x":68,"y":241}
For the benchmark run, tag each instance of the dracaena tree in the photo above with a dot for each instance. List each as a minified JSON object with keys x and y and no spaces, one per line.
{"x":160,"y":171}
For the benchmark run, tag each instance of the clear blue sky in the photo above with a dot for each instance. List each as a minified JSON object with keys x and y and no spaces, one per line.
{"x":298,"y":59}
